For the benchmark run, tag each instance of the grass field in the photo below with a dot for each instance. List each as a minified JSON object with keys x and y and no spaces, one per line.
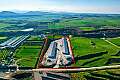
{"x":35,"y":38}
{"x":13,"y":24}
{"x":54,"y":36}
{"x":2,"y":38}
{"x":116,"y":41}
{"x":27,"y":54}
{"x":83,"y":48}
{"x":113,"y":74}
{"x":4,"y":25}
{"x":87,"y":28}
{"x":107,"y":22}
{"x":2,"y":54}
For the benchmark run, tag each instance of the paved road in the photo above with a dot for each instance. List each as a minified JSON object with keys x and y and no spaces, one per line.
{"x":74,"y":70}
{"x":37,"y":76}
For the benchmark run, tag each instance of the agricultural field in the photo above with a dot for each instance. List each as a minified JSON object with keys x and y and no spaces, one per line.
{"x":3,"y":25}
{"x":113,"y":74}
{"x":2,"y":39}
{"x":27,"y":54}
{"x":20,"y":23}
{"x":87,"y":28}
{"x":92,"y":21}
{"x":92,"y":52}
{"x":88,"y":52}
{"x":34,"y":38}
{"x":116,"y":41}
{"x":54,"y":36}
{"x":87,"y":23}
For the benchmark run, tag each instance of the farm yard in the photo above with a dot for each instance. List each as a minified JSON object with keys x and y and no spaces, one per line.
{"x":88,"y":52}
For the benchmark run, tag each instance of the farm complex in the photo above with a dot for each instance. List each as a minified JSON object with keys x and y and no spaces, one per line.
{"x":59,"y":46}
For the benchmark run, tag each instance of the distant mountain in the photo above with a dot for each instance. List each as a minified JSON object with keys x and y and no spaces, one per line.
{"x":8,"y":13}
{"x":35,"y":13}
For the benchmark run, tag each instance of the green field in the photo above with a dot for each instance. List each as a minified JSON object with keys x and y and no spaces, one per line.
{"x":87,"y":28}
{"x":113,"y":74}
{"x":27,"y":54}
{"x":116,"y":41}
{"x":86,"y":23}
{"x":95,"y":22}
{"x":82,"y":47}
{"x":54,"y":36}
{"x":3,"y":25}
{"x":2,"y":38}
{"x":2,"y":54}
{"x":35,"y":38}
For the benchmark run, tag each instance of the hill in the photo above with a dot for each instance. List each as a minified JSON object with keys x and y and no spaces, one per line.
{"x":7,"y":13}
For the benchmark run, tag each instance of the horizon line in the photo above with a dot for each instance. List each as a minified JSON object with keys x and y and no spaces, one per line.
{"x":53,"y":11}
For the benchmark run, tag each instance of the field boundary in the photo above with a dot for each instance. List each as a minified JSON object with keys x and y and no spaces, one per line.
{"x":111,"y":43}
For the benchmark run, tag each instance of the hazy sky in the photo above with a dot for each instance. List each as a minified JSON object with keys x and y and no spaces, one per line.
{"x":101,"y":6}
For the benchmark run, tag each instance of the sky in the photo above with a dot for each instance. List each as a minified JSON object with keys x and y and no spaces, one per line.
{"x":80,"y":6}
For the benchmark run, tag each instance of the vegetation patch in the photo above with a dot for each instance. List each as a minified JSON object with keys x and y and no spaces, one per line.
{"x":116,"y":41}
{"x":92,"y":49}
{"x":87,"y":28}
{"x":3,"y":38}
{"x":101,"y":22}
{"x":35,"y":38}
{"x":27,"y":55}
